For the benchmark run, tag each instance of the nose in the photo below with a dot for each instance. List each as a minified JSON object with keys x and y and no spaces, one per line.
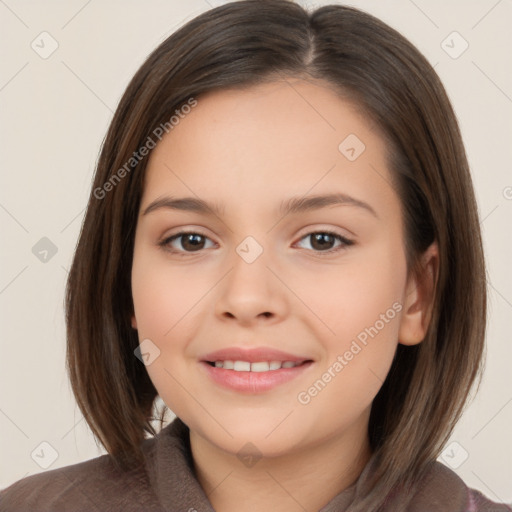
{"x":251,"y":293}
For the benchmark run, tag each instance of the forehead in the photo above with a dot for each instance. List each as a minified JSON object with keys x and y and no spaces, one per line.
{"x":271,"y":140}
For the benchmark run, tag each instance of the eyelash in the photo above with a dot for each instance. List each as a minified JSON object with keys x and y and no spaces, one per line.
{"x":164,"y":244}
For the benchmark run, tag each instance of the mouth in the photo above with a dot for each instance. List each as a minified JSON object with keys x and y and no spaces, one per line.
{"x":253,"y":377}
{"x":257,"y":366}
{"x":252,"y":370}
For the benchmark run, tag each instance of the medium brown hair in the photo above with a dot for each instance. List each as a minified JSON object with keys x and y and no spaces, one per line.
{"x":242,"y":44}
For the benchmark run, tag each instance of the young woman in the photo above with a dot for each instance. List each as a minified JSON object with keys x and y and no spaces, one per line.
{"x":282,"y":243}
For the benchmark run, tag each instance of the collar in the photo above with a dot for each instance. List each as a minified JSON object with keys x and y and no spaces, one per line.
{"x":172,"y":475}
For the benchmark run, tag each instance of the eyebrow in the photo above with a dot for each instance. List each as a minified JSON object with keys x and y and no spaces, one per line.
{"x":290,"y":206}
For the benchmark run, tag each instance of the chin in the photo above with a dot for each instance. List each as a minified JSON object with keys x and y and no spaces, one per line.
{"x":269,"y":438}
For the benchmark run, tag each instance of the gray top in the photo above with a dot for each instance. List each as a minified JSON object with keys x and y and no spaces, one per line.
{"x":168,"y":483}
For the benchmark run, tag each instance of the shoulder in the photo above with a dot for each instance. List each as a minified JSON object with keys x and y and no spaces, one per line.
{"x":480,"y":503}
{"x":444,"y":490}
{"x":92,"y":485}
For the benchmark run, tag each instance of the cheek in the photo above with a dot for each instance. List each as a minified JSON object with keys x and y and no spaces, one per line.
{"x":357,"y":362}
{"x":165,"y":303}
{"x":351,"y":297}
{"x":169,"y":302}
{"x":164,"y":296}
{"x":360,"y":307}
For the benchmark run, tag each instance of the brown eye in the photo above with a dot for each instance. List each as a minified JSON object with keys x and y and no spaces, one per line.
{"x":322,"y":241}
{"x":190,"y":242}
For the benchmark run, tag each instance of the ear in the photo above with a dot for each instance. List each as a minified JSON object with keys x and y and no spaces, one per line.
{"x":419,"y":299}
{"x":134,"y":322}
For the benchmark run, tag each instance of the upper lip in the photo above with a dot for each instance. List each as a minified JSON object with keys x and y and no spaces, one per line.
{"x":252,"y":355}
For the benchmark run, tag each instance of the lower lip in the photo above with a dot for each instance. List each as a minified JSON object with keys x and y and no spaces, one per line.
{"x":253,"y":382}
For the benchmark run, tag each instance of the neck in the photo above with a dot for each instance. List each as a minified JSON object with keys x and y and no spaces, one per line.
{"x":307,"y":479}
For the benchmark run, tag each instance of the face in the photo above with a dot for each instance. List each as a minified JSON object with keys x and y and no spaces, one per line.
{"x":327,"y":285}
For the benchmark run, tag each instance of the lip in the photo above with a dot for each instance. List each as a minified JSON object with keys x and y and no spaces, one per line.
{"x":253,"y":382}
{"x":252,"y":355}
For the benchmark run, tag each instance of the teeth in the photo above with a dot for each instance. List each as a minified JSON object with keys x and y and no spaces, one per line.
{"x":242,"y":366}
{"x":262,"y":366}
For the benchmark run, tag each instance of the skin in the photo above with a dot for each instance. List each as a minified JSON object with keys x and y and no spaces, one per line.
{"x":249,"y":150}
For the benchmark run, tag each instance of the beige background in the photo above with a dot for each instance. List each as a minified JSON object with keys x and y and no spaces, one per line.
{"x":55,"y":112}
